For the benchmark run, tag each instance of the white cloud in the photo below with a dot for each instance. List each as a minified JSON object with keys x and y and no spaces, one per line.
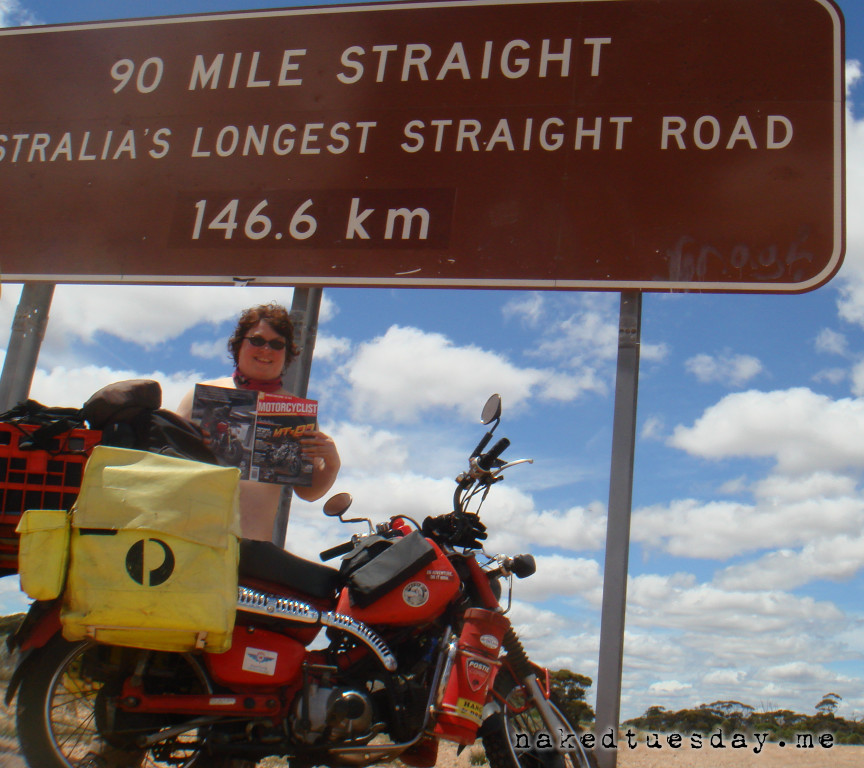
{"x":144,"y":316}
{"x":727,"y":368}
{"x":735,"y":486}
{"x":851,"y":303}
{"x":737,"y":664}
{"x":407,"y":372}
{"x":653,"y":353}
{"x":529,"y":308}
{"x":535,"y":623}
{"x":653,"y":428}
{"x":515,"y":524}
{"x":800,"y":672}
{"x":720,"y":530}
{"x":678,"y":602}
{"x":723,"y":677}
{"x":836,"y":558}
{"x":831,"y":375}
{"x":820,"y":486}
{"x":857,"y":374}
{"x":331,"y":347}
{"x":552,"y":639}
{"x":149,"y":315}
{"x":667,"y":687}
{"x":803,"y":431}
{"x":140,"y":314}
{"x":72,"y":387}
{"x":13,"y":14}
{"x":384,"y":494}
{"x":364,"y":449}
{"x":558,"y":575}
{"x":12,"y":599}
{"x":853,"y":75}
{"x":591,"y":332}
{"x":832,"y":342}
{"x":209,"y":350}
{"x":579,"y":333}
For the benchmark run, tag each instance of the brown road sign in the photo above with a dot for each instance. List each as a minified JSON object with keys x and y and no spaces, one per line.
{"x":609,"y":144}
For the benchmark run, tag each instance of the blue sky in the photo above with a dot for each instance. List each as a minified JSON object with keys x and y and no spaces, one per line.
{"x":747,"y":555}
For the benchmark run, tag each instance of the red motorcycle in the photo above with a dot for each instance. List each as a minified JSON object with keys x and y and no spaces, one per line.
{"x":415,"y":648}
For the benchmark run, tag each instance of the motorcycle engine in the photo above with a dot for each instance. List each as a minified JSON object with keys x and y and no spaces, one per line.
{"x":332,"y":714}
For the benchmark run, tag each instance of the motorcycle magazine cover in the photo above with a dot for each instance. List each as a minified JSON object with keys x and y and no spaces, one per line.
{"x":160,"y":639}
{"x":257,"y":432}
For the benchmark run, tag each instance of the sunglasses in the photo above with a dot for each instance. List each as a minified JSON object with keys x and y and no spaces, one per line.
{"x":259,"y":341}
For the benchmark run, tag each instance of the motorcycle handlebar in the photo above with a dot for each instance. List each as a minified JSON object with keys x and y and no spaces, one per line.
{"x":486,"y":461}
{"x":339,"y":549}
{"x":482,"y":444}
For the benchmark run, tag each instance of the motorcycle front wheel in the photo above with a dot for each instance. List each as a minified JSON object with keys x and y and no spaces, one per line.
{"x":512,"y":742}
{"x":65,"y":717}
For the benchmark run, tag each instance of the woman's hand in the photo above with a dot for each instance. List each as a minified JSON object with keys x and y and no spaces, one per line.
{"x":316,"y":445}
{"x":321,"y":451}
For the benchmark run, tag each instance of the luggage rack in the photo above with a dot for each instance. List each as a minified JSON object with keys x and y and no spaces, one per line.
{"x":37,"y":478}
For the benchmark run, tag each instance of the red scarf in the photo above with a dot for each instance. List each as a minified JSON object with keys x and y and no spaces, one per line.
{"x":262,"y":385}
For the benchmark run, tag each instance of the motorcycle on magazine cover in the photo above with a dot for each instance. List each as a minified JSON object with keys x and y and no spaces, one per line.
{"x":418,"y":649}
{"x":285,"y":454}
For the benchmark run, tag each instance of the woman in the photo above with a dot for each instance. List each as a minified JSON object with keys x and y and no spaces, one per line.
{"x":262,"y":346}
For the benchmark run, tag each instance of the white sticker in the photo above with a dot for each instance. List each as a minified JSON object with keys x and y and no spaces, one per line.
{"x":222,"y":701}
{"x":415,"y":594}
{"x":260,"y":662}
{"x":436,"y":574}
{"x":489,"y":641}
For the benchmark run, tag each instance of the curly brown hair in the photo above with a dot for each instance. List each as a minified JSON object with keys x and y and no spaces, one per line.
{"x":276,"y":316}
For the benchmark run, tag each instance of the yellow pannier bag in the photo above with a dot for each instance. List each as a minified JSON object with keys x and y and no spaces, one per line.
{"x":43,"y":552}
{"x":154,"y":553}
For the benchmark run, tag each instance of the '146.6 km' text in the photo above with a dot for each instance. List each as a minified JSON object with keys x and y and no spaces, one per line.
{"x":413,"y":218}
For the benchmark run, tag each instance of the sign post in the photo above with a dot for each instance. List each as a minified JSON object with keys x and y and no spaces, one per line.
{"x":618,"y":528}
{"x":25,"y":340}
{"x":305,"y":308}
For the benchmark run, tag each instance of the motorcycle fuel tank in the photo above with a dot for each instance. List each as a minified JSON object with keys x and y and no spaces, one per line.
{"x":419,"y":598}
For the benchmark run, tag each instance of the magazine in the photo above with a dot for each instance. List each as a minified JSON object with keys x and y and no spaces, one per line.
{"x":257,"y":432}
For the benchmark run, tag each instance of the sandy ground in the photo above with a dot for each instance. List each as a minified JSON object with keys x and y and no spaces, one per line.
{"x":771,"y":756}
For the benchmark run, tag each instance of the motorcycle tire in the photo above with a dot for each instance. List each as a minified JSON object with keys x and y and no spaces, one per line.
{"x":500,"y":742}
{"x":233,"y":453}
{"x":57,"y":718}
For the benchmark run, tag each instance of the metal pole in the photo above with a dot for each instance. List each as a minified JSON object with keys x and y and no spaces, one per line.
{"x":305,"y":308}
{"x":609,"y":671}
{"x":28,"y":330}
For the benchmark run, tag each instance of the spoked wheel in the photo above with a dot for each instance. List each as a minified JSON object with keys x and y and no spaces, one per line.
{"x":66,"y":717}
{"x":513,"y":743}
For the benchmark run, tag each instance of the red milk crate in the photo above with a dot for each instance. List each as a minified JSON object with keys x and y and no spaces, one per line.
{"x":37,"y":479}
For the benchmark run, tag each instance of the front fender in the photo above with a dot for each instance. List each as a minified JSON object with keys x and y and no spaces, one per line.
{"x":40,"y":624}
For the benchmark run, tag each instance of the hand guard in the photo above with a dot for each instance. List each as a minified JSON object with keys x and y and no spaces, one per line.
{"x":462,"y":530}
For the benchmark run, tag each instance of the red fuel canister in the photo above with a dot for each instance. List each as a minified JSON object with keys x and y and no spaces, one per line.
{"x":472,"y":672}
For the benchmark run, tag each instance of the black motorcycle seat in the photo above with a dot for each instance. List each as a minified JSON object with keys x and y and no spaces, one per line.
{"x":267,"y":562}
